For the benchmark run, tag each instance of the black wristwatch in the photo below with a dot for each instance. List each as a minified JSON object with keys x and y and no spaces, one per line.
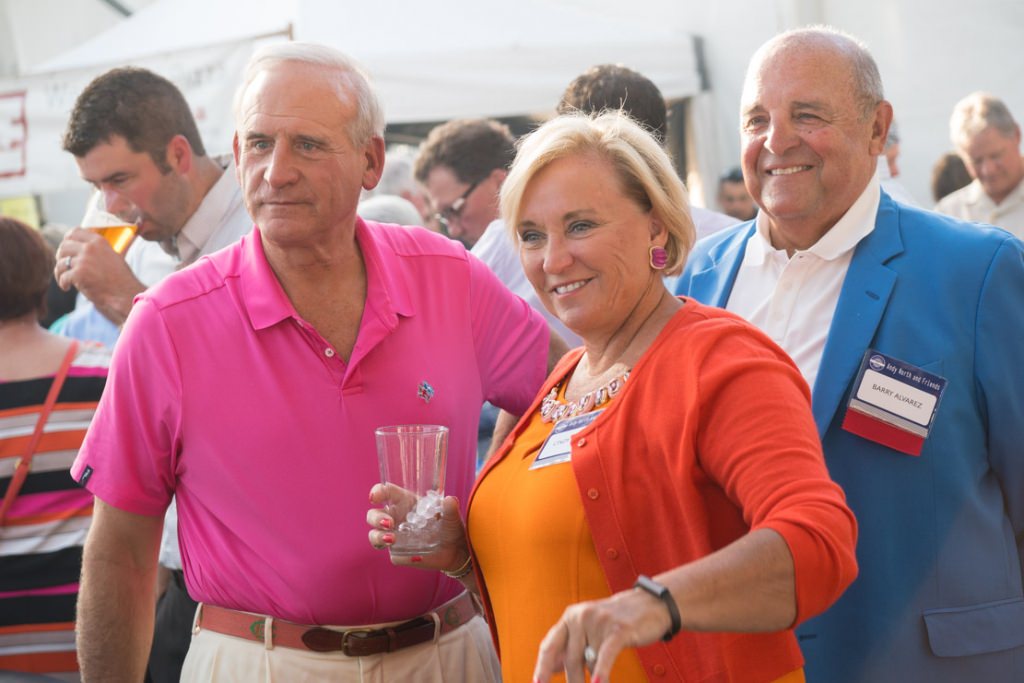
{"x":646,"y":583}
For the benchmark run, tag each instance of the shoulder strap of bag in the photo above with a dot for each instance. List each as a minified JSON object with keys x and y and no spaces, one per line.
{"x":21,"y":468}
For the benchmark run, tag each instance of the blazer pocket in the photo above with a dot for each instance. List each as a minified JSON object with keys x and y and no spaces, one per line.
{"x":976,"y":629}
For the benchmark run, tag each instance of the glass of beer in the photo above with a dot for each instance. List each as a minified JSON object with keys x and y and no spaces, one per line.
{"x":118,"y":232}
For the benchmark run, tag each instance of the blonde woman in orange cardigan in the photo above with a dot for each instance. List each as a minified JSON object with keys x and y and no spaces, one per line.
{"x":663,"y":511}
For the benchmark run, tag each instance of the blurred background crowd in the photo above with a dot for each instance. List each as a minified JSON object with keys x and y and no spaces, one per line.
{"x":459,"y":84}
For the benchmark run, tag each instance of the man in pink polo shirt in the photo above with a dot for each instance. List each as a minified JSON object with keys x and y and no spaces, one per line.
{"x":249,"y":386}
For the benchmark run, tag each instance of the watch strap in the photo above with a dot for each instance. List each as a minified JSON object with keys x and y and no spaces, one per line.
{"x":649,"y":585}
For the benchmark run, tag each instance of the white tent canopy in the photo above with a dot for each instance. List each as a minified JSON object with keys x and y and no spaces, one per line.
{"x":430,"y":62}
{"x":174,"y":26}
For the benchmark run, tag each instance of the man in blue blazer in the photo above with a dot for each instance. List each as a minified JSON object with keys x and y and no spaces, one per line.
{"x":909,"y":327}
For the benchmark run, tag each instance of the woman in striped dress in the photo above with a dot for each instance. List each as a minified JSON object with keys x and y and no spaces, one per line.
{"x":44,"y":515}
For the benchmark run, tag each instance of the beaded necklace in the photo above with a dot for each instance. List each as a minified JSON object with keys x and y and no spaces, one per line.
{"x":552,"y":409}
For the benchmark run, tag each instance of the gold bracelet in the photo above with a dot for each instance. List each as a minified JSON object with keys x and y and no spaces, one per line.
{"x":462,"y":571}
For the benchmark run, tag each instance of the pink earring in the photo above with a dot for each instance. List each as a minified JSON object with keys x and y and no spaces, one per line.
{"x":658,"y":257}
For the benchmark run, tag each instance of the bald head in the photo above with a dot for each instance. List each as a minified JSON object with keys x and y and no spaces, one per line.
{"x":862,"y":71}
{"x":812,"y":124}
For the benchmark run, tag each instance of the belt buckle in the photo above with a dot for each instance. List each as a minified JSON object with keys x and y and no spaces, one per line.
{"x":320,"y":639}
{"x":345,"y":636}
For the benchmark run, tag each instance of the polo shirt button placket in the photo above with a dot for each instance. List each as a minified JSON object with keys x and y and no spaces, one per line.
{"x":329,"y":352}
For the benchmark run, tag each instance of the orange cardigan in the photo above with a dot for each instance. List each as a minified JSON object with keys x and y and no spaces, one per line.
{"x":711,"y":438}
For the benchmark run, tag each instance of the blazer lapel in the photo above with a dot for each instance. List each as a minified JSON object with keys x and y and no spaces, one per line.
{"x":713,"y":285}
{"x":862,"y":302}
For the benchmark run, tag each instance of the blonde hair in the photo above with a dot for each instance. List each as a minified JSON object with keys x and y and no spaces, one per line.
{"x":644,"y":170}
{"x":975,"y":113}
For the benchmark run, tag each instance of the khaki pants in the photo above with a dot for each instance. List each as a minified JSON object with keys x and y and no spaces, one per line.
{"x":460,"y":656}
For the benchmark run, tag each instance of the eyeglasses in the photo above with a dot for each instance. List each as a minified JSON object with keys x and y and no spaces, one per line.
{"x":452,"y":213}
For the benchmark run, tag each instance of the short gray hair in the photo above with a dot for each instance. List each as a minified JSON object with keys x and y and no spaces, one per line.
{"x":397,"y":176}
{"x":867,"y":80}
{"x":369,"y":120}
{"x":389,"y":208}
{"x":975,"y":113}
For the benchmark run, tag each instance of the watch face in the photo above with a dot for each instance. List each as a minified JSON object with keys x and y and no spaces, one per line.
{"x":651,"y":586}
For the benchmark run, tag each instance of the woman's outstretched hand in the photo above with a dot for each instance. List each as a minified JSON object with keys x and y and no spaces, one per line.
{"x":592,"y":634}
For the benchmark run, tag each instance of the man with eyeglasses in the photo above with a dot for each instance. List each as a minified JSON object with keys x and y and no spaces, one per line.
{"x":462,"y":165}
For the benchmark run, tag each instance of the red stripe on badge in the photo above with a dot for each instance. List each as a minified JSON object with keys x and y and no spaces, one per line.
{"x":880,"y":432}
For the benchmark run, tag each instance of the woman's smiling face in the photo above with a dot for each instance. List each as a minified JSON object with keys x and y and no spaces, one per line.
{"x":584,"y":244}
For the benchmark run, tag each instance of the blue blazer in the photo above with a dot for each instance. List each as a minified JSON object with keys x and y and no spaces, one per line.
{"x":938,"y":598}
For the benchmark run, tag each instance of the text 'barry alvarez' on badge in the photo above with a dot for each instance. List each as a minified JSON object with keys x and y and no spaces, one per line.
{"x":893,"y":403}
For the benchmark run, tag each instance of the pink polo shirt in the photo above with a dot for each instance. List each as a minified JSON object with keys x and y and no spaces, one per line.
{"x":220,"y":394}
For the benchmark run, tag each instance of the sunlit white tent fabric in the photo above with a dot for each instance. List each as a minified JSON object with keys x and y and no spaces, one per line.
{"x":431,"y":61}
{"x":173,"y":26}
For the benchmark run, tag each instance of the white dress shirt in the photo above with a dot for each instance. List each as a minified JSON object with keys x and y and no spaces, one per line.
{"x":971,"y":203}
{"x":792,"y":299}
{"x":893,"y":187}
{"x":220,"y":220}
{"x":708,"y":222}
{"x":497,"y":250}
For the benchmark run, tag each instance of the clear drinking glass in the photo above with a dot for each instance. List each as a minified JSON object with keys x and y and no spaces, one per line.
{"x":118,"y":232}
{"x":412,"y":464}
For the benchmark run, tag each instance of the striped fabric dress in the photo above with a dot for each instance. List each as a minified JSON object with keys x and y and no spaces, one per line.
{"x":41,"y":540}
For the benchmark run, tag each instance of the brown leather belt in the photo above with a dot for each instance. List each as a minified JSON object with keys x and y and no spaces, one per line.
{"x":357,"y":642}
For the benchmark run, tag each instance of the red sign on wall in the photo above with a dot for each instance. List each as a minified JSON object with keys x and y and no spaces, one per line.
{"x":13,"y":134}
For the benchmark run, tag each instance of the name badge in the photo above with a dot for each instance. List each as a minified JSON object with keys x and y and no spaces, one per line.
{"x":557,"y":448}
{"x":893,"y":403}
